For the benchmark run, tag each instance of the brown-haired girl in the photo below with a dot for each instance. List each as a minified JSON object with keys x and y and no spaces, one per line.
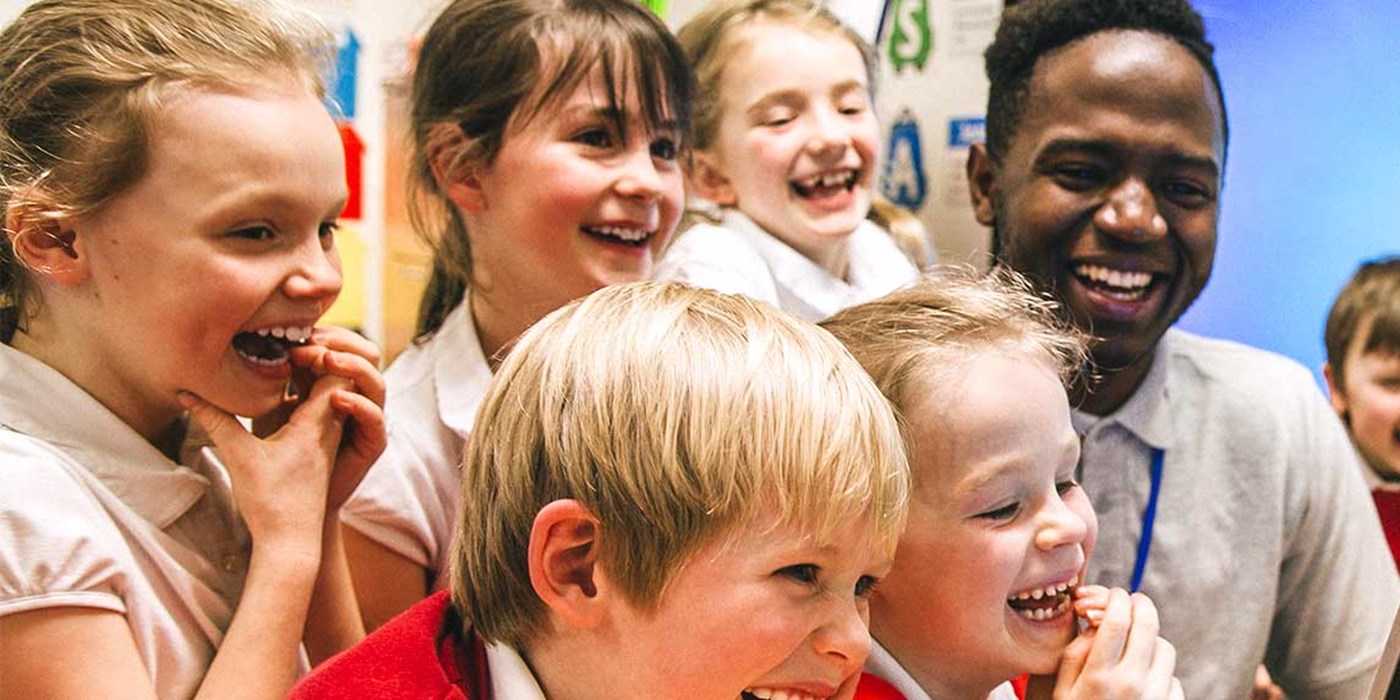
{"x":546,"y":135}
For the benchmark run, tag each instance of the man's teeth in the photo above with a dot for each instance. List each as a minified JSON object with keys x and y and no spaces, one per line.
{"x":1123,"y":280}
{"x":295,"y":334}
{"x":631,"y":235}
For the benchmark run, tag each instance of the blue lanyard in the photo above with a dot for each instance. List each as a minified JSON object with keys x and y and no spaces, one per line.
{"x":1149,"y":518}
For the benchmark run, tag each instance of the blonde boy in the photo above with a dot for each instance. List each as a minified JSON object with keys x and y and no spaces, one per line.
{"x":669,"y":492}
{"x":983,"y":589}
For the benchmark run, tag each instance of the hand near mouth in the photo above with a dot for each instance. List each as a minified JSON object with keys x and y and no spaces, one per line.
{"x":1118,"y":655}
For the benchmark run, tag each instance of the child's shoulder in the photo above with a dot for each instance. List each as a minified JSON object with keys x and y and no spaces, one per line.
{"x":716,"y":257}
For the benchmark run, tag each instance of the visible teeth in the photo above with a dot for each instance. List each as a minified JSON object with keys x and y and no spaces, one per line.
{"x":295,"y":334}
{"x":626,"y":234}
{"x":779,"y":694}
{"x":1120,"y":279}
{"x":829,"y":180}
{"x":1040,"y":614}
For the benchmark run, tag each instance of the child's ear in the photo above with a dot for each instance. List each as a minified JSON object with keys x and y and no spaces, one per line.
{"x":708,"y":180}
{"x":1334,"y":391}
{"x":48,"y":246}
{"x":563,"y":560}
{"x":981,"y":183}
{"x":454,"y":168}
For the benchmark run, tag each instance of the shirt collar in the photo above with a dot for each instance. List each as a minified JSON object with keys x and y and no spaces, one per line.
{"x":460,"y":370}
{"x":38,"y":401}
{"x":1147,"y":413}
{"x":881,"y":663}
{"x":873,"y":260}
{"x":511,"y":678}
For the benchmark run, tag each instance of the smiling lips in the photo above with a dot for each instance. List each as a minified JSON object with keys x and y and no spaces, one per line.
{"x":780,"y":694}
{"x":634,"y":237}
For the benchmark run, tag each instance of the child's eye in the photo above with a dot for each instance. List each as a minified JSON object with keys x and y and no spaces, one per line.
{"x":255,"y":233}
{"x":595,"y":137}
{"x":803,"y":573}
{"x":1005,"y":512}
{"x":1066,"y":485}
{"x":664,"y":149}
{"x":327,"y":232}
{"x":866,"y":585}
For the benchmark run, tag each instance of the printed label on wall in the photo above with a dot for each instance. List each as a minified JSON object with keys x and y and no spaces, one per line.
{"x":905,"y":181}
{"x":911,"y":37}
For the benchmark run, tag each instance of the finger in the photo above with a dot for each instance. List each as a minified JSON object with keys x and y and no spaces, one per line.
{"x":1143,"y":641}
{"x":221,"y":427}
{"x":1159,"y":680}
{"x":367,"y":379}
{"x":345,"y":340}
{"x":1112,"y":633}
{"x":368,"y":434}
{"x":1072,"y":661}
{"x":1177,"y":693}
{"x":1089,"y":603}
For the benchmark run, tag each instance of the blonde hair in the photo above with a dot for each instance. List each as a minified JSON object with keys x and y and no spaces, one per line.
{"x":710,"y":40}
{"x":82,"y":80}
{"x":486,"y":66}
{"x":925,"y":332}
{"x":676,"y":416}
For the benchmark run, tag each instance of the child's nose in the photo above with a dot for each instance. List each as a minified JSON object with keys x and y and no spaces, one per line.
{"x":845,"y":637}
{"x":1061,"y":526}
{"x":639,"y":177}
{"x":315,"y":273}
{"x":829,"y":133}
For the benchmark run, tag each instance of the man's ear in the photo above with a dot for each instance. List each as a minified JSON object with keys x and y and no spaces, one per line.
{"x":48,"y":246}
{"x":455,"y":169}
{"x":563,"y":561}
{"x":981,"y":183}
{"x":1334,"y":391}
{"x":708,"y":180}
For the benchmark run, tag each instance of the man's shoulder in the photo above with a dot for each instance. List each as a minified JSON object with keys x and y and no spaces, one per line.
{"x":1234,"y":364}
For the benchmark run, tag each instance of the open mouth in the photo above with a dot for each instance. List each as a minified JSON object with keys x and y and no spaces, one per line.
{"x":825,"y":185}
{"x":1044,"y":603}
{"x":1120,"y":285}
{"x":778,"y":694}
{"x":633,"y":237}
{"x":270,"y":347}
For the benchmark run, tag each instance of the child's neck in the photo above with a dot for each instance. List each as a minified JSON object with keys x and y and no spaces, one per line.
{"x":498,"y":324}
{"x":833,"y":256}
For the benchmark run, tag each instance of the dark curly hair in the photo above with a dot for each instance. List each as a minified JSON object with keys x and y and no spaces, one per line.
{"x":1031,"y":29}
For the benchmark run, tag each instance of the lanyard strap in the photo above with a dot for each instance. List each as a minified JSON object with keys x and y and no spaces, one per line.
{"x":1149,"y":518}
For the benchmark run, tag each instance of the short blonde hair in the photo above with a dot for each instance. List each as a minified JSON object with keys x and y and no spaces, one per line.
{"x":710,"y":41}
{"x":926,"y":331}
{"x":676,"y":416}
{"x":82,"y":80}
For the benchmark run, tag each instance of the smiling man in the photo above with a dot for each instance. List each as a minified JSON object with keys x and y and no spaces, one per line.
{"x":1224,"y":487}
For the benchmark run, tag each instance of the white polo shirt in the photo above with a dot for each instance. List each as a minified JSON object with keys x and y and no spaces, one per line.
{"x":93,"y":516}
{"x":739,"y":257}
{"x":409,"y":500}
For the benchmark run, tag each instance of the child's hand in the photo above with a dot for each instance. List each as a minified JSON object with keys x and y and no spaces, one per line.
{"x":1120,"y":654}
{"x":279,"y":482}
{"x":339,"y":353}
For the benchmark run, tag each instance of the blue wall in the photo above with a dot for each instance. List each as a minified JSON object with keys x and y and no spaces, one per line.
{"x":1313,"y":180}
